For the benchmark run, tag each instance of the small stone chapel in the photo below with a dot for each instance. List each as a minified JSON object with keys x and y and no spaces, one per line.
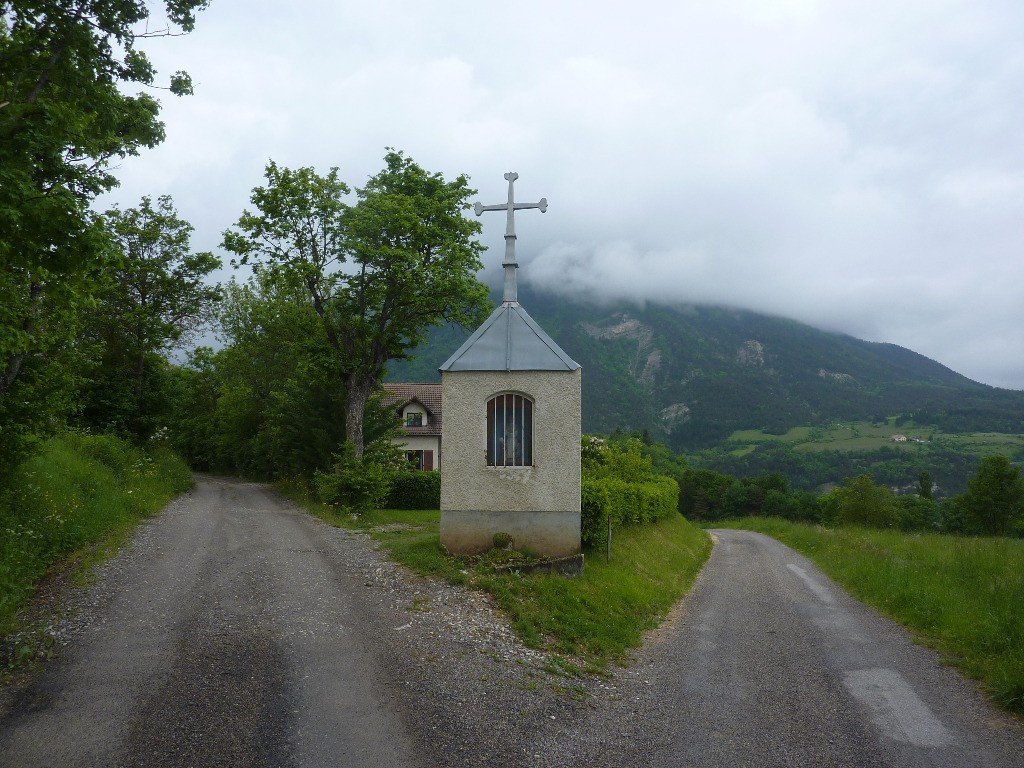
{"x":512,"y":404}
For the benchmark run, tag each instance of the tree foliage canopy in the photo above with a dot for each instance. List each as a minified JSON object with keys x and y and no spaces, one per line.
{"x":379,"y":272}
{"x":152,"y":298}
{"x":65,"y":116}
{"x":994,"y":498}
{"x":860,"y":502}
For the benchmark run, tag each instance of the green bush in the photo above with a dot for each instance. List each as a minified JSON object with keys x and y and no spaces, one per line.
{"x":860,"y":502}
{"x":641,"y":502}
{"x":994,"y":501}
{"x":73,"y":492}
{"x":356,"y":485}
{"x":626,"y":504}
{"x":414,"y":490}
{"x":594,"y":509}
{"x":918,"y":514}
{"x":619,"y":482}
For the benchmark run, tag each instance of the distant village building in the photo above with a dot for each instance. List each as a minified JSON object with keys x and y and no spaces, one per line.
{"x":512,"y":404}
{"x":899,"y":438}
{"x":418,"y":410}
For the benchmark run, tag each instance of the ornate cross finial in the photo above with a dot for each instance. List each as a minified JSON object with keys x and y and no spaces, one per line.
{"x":511,"y":207}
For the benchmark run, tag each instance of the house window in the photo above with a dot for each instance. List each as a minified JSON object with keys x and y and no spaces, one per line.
{"x":414,"y":419}
{"x":509,"y":431}
{"x":423,"y":460}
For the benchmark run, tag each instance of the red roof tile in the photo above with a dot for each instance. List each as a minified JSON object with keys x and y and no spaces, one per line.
{"x":427,"y":395}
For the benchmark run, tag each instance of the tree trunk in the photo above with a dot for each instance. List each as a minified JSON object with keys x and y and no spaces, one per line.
{"x":358,"y":387}
{"x":13,"y":367}
{"x":11,"y":371}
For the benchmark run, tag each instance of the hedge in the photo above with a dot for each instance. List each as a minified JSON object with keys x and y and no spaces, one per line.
{"x":625,"y":503}
{"x":414,"y":490}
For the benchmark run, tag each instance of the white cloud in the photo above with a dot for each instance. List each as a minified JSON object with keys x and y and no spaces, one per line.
{"x":854,"y":164}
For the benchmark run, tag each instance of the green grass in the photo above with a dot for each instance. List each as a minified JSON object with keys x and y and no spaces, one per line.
{"x":963,"y":597}
{"x":866,"y":436}
{"x":78,"y":497}
{"x":592,"y":619}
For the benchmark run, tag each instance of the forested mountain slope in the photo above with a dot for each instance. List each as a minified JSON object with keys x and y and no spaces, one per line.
{"x":691,"y":375}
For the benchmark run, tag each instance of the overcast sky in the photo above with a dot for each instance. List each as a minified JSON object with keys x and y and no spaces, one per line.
{"x":854,"y":164}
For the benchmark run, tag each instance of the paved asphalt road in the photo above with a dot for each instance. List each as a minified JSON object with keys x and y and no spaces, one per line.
{"x":239,"y":633}
{"x":771,"y":664}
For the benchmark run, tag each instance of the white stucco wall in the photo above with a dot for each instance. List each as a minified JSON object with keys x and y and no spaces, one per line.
{"x":415,"y":408}
{"x":538,"y":505}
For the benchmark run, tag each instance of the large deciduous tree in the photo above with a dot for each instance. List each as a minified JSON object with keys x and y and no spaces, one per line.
{"x":379,"y":272}
{"x":154,"y":299}
{"x":65,"y":115}
{"x":995,"y":497}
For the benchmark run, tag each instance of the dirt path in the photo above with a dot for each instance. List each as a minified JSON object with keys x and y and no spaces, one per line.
{"x":237,"y":631}
{"x":236,"y":644}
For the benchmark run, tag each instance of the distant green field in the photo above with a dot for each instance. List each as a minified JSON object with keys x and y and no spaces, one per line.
{"x":865,"y":436}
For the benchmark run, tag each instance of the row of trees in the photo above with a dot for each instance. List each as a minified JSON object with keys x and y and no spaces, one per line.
{"x":992,"y":504}
{"x":336,"y":292}
{"x":91,"y":303}
{"x":67,"y":114}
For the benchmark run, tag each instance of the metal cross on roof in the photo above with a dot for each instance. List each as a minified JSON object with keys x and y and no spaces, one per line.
{"x":511,"y":207}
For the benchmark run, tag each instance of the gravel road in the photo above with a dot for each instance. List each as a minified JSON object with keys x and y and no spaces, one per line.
{"x":237,"y":631}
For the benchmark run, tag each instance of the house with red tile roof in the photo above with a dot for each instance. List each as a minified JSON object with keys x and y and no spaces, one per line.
{"x":418,"y":410}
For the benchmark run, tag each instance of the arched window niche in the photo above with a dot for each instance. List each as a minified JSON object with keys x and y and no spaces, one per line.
{"x":510,"y":430}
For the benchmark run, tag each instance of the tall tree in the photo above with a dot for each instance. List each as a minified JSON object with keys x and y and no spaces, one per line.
{"x":860,"y":502}
{"x":154,"y":299}
{"x":995,"y":497}
{"x":380,"y":272}
{"x":65,"y":115}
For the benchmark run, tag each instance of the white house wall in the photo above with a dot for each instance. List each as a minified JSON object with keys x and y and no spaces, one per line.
{"x":421,"y":443}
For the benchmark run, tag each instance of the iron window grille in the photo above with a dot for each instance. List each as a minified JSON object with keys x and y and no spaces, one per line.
{"x":509,"y":431}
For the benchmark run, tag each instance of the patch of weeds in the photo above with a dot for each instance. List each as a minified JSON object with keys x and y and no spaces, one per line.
{"x":574,"y":692}
{"x":26,"y":648}
{"x":420,"y":604}
{"x":560,"y":667}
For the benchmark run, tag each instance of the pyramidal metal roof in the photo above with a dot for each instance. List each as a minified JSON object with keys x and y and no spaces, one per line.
{"x":510,"y":340}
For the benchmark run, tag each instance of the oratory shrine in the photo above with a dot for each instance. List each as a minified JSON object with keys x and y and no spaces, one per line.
{"x":512,"y":408}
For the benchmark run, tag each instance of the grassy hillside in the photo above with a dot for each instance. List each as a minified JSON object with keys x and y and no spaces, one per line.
{"x":869,"y":436}
{"x":77,"y":491}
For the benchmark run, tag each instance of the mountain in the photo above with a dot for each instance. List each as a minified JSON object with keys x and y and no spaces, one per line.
{"x":691,"y":375}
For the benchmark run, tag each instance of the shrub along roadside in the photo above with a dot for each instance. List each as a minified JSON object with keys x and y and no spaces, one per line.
{"x":76,"y":491}
{"x":595,"y":618}
{"x":961,"y":596}
{"x":412,"y":489}
{"x":619,"y":482}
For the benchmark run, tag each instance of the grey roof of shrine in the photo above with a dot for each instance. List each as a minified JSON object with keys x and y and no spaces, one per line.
{"x":510,"y":340}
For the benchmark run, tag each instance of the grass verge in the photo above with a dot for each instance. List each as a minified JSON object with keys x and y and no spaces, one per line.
{"x":78,"y":498}
{"x":964,"y":597}
{"x":588,"y":621}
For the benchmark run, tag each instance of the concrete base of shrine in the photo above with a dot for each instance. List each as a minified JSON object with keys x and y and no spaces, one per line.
{"x":548,"y":534}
